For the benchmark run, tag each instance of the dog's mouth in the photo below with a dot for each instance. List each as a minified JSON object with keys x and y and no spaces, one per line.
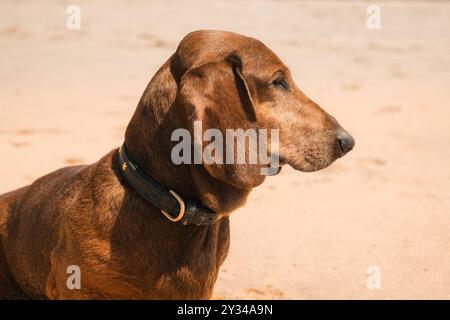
{"x":305,"y":163}
{"x":277,"y":169}
{"x":270,"y":170}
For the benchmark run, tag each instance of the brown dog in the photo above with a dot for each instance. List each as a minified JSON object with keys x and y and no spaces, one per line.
{"x":91,"y":217}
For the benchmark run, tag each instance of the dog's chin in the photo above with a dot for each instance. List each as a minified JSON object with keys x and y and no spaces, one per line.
{"x":304,"y":165}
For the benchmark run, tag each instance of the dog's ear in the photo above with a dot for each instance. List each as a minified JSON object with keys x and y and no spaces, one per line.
{"x":217,"y":96}
{"x":242,"y":87}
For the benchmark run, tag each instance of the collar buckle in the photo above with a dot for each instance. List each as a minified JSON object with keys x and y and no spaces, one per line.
{"x":182,"y":208}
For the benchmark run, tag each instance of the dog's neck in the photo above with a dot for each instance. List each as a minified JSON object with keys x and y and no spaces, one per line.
{"x":190,"y":181}
{"x":148,"y":138}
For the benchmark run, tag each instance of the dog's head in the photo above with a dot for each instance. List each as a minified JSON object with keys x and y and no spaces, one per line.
{"x":229,"y":81}
{"x":232,"y":81}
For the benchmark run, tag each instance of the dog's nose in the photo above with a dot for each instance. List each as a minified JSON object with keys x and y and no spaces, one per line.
{"x":346,"y":141}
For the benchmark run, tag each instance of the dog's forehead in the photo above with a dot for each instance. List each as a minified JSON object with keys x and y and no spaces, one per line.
{"x":204,"y":46}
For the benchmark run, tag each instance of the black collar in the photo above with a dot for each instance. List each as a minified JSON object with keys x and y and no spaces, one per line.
{"x":171,"y":204}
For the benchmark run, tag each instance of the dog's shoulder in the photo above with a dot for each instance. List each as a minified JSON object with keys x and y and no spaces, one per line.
{"x":66,"y":185}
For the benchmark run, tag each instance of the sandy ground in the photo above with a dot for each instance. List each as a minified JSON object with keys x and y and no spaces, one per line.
{"x":66,"y":97}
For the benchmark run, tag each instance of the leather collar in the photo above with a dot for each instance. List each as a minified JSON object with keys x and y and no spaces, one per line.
{"x":174,"y":208}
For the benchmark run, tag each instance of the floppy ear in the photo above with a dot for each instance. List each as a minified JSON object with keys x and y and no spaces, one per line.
{"x":216,"y":96}
{"x":242,"y":87}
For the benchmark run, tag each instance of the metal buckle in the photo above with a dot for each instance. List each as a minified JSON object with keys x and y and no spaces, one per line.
{"x":182,"y":208}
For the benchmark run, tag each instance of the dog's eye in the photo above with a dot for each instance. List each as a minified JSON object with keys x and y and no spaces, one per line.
{"x":280,"y":83}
